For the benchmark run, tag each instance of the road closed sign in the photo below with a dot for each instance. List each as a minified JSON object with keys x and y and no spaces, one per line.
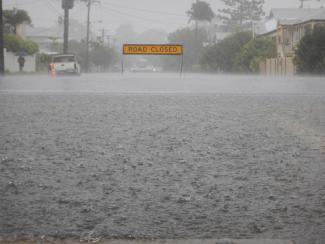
{"x":166,"y":49}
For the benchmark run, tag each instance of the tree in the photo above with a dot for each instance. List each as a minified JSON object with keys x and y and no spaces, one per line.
{"x":99,"y":55}
{"x":200,"y":11}
{"x":125,"y":33}
{"x":222,"y":55}
{"x":193,"y":46}
{"x":102,"y":56}
{"x":15,"y":43}
{"x":310,"y":53}
{"x":42,"y":62}
{"x":239,"y":14}
{"x":253,"y":52}
{"x":15,"y":17}
{"x":152,"y":36}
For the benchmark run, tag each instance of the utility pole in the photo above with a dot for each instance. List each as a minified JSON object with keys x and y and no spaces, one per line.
{"x":89,"y":3}
{"x":103,"y":35}
{"x":2,"y":63}
{"x":301,"y":3}
{"x":66,"y":31}
{"x":87,"y":38}
{"x":196,"y":22}
{"x":66,"y":5}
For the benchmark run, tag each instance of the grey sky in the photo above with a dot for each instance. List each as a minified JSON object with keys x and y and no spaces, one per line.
{"x":142,"y":14}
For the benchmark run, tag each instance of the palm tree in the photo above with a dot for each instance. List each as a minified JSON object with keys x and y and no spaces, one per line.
{"x":200,"y":11}
{"x":15,"y":17}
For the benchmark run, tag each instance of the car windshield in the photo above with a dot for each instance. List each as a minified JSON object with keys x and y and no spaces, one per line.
{"x":63,"y":59}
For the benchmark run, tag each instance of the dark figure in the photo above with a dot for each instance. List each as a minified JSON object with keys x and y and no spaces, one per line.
{"x":21,"y":62}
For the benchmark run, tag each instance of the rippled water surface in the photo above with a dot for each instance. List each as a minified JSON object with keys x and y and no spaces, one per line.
{"x":165,"y":83}
{"x":158,"y":155}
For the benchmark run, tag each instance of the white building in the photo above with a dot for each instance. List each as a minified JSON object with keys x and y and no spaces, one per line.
{"x":11,"y":62}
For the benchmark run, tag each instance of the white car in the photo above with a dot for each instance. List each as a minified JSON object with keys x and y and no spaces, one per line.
{"x":144,"y":68}
{"x":64,"y":64}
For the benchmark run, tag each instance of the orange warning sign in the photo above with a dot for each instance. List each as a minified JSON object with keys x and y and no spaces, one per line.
{"x":139,"y":49}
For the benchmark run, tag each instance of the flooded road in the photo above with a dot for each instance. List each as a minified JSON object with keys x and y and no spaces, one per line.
{"x":159,"y":156}
{"x":165,"y":83}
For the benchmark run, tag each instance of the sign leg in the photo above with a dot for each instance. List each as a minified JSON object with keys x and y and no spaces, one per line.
{"x":122,"y":65}
{"x":182,"y":63}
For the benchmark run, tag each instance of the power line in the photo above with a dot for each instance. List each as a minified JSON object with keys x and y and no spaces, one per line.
{"x":78,"y":10}
{"x":53,"y":7}
{"x":136,"y":16}
{"x":24,"y":3}
{"x":147,"y":10}
{"x":303,"y":1}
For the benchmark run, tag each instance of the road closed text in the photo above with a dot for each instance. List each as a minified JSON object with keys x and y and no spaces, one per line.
{"x":129,"y":49}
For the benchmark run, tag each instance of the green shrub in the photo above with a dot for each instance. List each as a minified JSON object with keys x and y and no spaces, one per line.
{"x":14,"y":43}
{"x":310,"y":53}
{"x":42,"y":62}
{"x":253,"y":52}
{"x":222,"y":55}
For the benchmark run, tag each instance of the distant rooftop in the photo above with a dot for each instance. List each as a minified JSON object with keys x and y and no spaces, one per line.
{"x":288,"y":16}
{"x":290,"y":13}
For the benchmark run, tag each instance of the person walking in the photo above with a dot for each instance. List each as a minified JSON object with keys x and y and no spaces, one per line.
{"x":21,"y":62}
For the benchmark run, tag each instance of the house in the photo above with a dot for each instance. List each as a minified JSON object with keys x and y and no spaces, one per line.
{"x":12,"y":65}
{"x":215,"y":30}
{"x":50,"y":38}
{"x":46,"y":38}
{"x":287,"y":27}
{"x":11,"y":58}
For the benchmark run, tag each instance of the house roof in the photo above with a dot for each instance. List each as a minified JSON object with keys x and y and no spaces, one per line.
{"x":288,"y":16}
{"x":291,"y":13}
{"x":265,"y":26}
{"x":317,"y":15}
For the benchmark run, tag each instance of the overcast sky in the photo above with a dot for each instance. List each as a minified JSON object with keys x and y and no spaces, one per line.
{"x":142,"y":14}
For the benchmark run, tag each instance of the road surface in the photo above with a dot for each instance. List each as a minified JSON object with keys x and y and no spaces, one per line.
{"x":160,"y":156}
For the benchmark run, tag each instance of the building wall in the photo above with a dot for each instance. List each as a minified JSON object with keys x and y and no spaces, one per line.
{"x":20,"y":30}
{"x":290,"y":36}
{"x":11,"y":63}
{"x":287,"y":38}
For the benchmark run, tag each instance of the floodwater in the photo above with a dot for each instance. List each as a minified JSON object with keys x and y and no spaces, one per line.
{"x":165,"y":83}
{"x":163,"y":156}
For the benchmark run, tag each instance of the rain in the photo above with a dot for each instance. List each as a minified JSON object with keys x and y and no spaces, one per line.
{"x":162,"y":122}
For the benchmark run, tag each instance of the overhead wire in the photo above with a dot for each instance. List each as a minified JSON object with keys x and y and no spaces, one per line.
{"x":53,"y":7}
{"x":26,"y":2}
{"x":116,"y":11}
{"x":150,"y":11}
{"x":76,"y":11}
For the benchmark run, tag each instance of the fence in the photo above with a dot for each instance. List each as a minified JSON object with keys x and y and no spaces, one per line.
{"x":278,"y":66}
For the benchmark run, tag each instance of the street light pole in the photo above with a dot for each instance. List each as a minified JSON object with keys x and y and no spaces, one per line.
{"x":66,"y":5}
{"x":66,"y":31}
{"x":87,"y":38}
{"x":301,"y":3}
{"x":2,"y":66}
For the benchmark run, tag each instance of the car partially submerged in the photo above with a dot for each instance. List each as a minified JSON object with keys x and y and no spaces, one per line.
{"x":64,"y":64}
